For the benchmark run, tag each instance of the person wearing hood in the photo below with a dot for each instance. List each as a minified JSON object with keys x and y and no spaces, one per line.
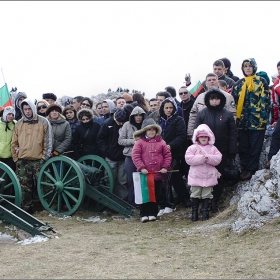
{"x":18,"y":99}
{"x":32,"y":143}
{"x":127,"y":141}
{"x":7,"y":124}
{"x":41,"y":107}
{"x":174,"y":134}
{"x":202,"y":157}
{"x":85,"y":135}
{"x":221,"y":122}
{"x":108,"y":108}
{"x":61,"y":129}
{"x":253,"y":107}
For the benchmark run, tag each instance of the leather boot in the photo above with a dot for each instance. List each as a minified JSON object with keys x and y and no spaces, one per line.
{"x":195,"y":204}
{"x":214,"y":205}
{"x":205,"y":211}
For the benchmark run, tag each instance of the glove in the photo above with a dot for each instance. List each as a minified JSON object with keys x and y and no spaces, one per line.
{"x":54,"y":154}
{"x":231,"y":156}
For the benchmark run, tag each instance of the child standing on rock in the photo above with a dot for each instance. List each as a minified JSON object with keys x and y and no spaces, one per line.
{"x":202,"y":157}
{"x":151,"y":154}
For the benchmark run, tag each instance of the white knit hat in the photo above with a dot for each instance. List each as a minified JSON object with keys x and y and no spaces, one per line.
{"x":8,"y":110}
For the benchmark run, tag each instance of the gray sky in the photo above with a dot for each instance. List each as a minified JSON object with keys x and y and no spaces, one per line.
{"x":84,"y":48}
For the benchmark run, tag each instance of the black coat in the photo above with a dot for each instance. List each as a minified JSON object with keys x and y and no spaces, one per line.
{"x":84,"y":142}
{"x":222,"y":124}
{"x":107,"y":140}
{"x":174,"y":133}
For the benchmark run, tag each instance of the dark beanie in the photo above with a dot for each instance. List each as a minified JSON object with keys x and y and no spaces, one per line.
{"x":49,"y":96}
{"x":121,"y":115}
{"x":226,"y":62}
{"x":278,"y":64}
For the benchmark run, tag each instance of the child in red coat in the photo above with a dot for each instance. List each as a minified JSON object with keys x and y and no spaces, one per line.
{"x":150,"y":154}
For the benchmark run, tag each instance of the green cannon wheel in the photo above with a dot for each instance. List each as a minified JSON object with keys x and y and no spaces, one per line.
{"x":105,"y":180}
{"x":61,"y":185}
{"x":9,"y":185}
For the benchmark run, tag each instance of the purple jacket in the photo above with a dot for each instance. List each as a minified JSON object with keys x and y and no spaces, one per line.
{"x":151,"y":154}
{"x":201,"y":173}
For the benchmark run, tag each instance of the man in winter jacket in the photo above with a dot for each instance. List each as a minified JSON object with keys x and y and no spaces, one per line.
{"x":199,"y":104}
{"x":107,"y":140}
{"x":227,"y":70}
{"x":31,"y":146}
{"x":252,"y":98}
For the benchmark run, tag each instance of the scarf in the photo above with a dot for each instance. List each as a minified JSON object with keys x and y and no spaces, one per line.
{"x":249,"y":83}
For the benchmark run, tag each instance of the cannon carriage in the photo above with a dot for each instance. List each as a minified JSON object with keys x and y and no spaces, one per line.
{"x":63,"y":185}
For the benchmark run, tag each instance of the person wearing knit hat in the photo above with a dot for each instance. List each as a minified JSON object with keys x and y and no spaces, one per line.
{"x":41,"y":107}
{"x":127,"y":97}
{"x":7,"y":124}
{"x":85,"y":135}
{"x":52,"y":107}
{"x":49,"y":97}
{"x":107,"y":141}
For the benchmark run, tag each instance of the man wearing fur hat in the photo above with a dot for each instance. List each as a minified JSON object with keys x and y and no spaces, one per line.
{"x":31,"y":146}
{"x":49,"y":97}
{"x":7,"y":124}
{"x":107,"y":140}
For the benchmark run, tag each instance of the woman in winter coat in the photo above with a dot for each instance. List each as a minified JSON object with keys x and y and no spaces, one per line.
{"x":84,"y":138}
{"x":221,"y":122}
{"x":41,"y":107}
{"x":7,"y":124}
{"x":174,"y":134}
{"x":202,"y":157}
{"x":60,"y":128}
{"x":150,"y":154}
{"x":126,"y":139}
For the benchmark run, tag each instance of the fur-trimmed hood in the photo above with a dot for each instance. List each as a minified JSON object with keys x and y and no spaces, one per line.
{"x":85,"y":112}
{"x":203,"y":128}
{"x":221,"y":96}
{"x":147,"y":124}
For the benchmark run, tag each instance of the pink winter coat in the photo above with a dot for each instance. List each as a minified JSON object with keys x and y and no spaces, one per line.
{"x":201,"y":173}
{"x":151,"y":154}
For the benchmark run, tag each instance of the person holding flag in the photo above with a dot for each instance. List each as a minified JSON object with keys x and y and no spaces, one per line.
{"x":152,"y":159}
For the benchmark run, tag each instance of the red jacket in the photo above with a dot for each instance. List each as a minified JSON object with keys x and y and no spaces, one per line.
{"x":275,"y":96}
{"x":151,"y":154}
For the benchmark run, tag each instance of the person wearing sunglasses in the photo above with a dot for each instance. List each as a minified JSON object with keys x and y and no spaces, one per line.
{"x":41,"y":107}
{"x":86,"y":103}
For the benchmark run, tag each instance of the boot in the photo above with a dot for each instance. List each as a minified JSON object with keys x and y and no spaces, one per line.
{"x":205,"y":211}
{"x":195,"y":204}
{"x":214,"y":205}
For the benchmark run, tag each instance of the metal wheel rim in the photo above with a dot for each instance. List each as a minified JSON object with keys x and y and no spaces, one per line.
{"x":13,"y":189}
{"x":94,"y":160}
{"x":58,"y":191}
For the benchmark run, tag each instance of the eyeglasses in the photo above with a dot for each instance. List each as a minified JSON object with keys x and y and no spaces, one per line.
{"x":85,"y":119}
{"x":42,"y":107}
{"x":86,"y":104}
{"x":183,"y":92}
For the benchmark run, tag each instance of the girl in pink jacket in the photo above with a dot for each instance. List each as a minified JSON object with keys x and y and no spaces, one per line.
{"x":202,"y":157}
{"x":151,"y":154}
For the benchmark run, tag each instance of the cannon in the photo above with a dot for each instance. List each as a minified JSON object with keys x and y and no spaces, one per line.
{"x":64,"y":184}
{"x":10,"y":202}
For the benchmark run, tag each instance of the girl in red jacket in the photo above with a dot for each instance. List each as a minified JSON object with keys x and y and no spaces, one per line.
{"x":150,"y":154}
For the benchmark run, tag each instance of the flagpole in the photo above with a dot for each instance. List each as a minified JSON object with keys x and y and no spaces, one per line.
{"x":3,"y":75}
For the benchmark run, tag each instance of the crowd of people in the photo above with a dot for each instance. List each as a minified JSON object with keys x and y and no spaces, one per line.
{"x":186,"y":144}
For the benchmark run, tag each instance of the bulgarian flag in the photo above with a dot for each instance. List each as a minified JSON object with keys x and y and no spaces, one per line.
{"x":5,"y":97}
{"x":144,"y":187}
{"x":196,"y":89}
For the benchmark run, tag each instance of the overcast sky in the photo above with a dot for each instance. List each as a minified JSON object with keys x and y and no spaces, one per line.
{"x":83,"y":48}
